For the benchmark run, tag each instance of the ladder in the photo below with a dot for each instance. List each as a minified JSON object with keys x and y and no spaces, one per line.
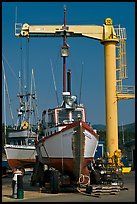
{"x":123,"y":92}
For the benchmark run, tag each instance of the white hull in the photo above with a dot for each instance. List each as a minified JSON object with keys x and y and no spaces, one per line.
{"x":19,"y":155}
{"x":70,"y":149}
{"x":21,"y":151}
{"x":61,"y":145}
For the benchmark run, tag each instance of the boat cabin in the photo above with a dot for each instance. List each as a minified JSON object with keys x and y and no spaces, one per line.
{"x":61,"y":116}
{"x":22,"y":137}
{"x":67,"y":113}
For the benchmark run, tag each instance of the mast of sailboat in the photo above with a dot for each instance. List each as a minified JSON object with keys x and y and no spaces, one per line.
{"x":9,"y":100}
{"x":4,"y":107}
{"x":20,"y":92}
{"x":20,"y":100}
{"x":33,"y":96}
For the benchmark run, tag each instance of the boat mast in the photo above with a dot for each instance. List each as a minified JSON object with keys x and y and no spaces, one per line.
{"x":33,"y":98}
{"x":64,"y":48}
{"x":9,"y":100}
{"x":4,"y":107}
{"x":20,"y":93}
{"x":20,"y":100}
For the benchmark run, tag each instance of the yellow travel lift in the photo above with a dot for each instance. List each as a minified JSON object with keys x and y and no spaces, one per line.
{"x":111,"y":38}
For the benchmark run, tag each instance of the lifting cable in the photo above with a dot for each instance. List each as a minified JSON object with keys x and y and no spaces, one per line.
{"x":54,"y":82}
{"x":81,"y":83}
{"x":49,"y":89}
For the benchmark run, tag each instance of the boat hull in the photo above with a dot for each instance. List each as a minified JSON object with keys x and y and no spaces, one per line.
{"x":69,"y":150}
{"x":19,"y":155}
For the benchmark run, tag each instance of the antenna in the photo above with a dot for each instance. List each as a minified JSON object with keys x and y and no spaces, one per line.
{"x":16,"y":15}
{"x":123,"y":138}
{"x":34,"y":96}
{"x":54,"y":82}
{"x":81,"y":83}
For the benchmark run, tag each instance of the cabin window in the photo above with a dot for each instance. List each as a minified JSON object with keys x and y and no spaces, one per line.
{"x":11,"y":142}
{"x":63,"y":115}
{"x":31,"y":142}
{"x":51,"y":120}
{"x":15,"y":142}
{"x":23,"y":142}
{"x":19,"y":142}
{"x":76,"y":115}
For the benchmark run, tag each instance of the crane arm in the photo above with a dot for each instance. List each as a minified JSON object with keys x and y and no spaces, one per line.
{"x":105,"y":32}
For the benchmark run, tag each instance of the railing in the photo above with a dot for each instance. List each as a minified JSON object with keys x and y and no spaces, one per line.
{"x":18,"y":27}
{"x":122,"y":91}
{"x":125,"y":89}
{"x":125,"y":92}
{"x":121,"y":53}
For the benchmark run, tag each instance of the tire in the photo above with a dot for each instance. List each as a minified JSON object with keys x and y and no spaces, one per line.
{"x":94,"y":177}
{"x":4,"y":170}
{"x":54,"y":181}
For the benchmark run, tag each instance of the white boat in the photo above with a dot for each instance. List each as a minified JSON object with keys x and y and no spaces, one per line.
{"x":20,"y":146}
{"x":67,"y":142}
{"x":68,"y":147}
{"x":21,"y":149}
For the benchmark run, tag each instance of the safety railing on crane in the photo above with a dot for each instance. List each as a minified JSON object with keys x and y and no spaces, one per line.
{"x":18,"y":27}
{"x":121,"y":53}
{"x":126,"y":89}
{"x":123,"y":92}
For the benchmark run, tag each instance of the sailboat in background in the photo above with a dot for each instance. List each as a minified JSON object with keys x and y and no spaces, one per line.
{"x":20,"y":148}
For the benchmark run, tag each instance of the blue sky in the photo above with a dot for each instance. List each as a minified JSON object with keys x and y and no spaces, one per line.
{"x":88,"y":51}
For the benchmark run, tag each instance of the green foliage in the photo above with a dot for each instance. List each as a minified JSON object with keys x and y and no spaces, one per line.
{"x":125,"y":134}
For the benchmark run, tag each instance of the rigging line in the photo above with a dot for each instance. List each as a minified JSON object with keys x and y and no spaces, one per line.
{"x":4,"y":110}
{"x":27,"y":78}
{"x":123,"y":139}
{"x":50,"y":165}
{"x":16,"y":14}
{"x":9,"y":100}
{"x":36,"y":98}
{"x":54,"y":82}
{"x":10,"y":66}
{"x":21,"y":86}
{"x":62,"y":160}
{"x":27,"y":64}
{"x":31,"y":102}
{"x":81,"y":82}
{"x":54,"y":69}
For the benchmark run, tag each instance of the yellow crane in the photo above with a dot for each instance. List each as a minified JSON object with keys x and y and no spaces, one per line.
{"x":110,"y":38}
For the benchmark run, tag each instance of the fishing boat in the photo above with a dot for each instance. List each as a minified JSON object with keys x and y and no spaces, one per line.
{"x":67,"y":141}
{"x":20,"y":146}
